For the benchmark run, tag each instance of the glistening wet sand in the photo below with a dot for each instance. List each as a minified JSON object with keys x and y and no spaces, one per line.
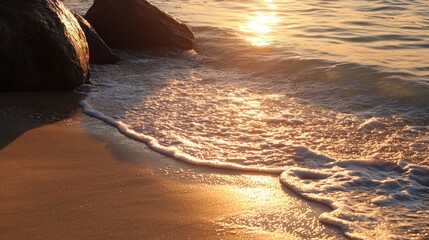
{"x":61,"y":180}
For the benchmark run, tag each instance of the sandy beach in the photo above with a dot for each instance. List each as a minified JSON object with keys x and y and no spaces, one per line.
{"x":263,"y":119}
{"x":66,"y":175}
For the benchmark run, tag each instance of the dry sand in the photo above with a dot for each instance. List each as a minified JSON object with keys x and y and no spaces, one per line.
{"x":64,"y":175}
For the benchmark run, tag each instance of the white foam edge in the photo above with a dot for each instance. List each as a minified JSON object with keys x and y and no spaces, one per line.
{"x":284,"y":174}
{"x":153,"y":144}
{"x":284,"y":179}
{"x":324,"y":218}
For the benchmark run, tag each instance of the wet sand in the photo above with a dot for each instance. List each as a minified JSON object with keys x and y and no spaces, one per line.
{"x":64,"y":175}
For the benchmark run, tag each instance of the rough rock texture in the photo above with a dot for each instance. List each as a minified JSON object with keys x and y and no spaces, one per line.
{"x":42,"y":47}
{"x":99,"y":52}
{"x":137,"y":24}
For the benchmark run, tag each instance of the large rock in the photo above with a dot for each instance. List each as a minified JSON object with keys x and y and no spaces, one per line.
{"x":137,"y":24}
{"x":42,"y":47}
{"x":99,"y":52}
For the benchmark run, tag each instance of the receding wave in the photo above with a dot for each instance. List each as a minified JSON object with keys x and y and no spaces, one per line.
{"x":327,"y":105}
{"x":299,"y":118}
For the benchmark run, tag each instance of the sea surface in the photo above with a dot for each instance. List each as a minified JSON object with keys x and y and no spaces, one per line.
{"x":333,"y":96}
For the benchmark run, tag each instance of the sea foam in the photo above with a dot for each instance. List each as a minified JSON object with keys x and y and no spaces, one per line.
{"x":350,"y":131}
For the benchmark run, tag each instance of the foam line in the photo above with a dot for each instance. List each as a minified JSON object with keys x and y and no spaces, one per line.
{"x":154,"y":145}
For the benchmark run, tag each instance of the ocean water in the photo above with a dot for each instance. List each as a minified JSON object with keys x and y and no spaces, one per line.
{"x":333,"y":96}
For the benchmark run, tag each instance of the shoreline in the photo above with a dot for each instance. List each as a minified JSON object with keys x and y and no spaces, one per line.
{"x":72,"y":176}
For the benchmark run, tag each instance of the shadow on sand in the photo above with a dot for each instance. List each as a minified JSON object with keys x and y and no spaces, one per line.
{"x":23,"y":111}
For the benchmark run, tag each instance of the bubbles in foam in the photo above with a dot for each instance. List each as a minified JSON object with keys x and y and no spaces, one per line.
{"x":370,"y":199}
{"x":187,"y":110}
{"x":204,"y":111}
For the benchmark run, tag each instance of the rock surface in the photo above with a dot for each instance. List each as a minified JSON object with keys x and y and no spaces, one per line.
{"x":137,"y":24}
{"x":42,"y":47}
{"x":99,"y":52}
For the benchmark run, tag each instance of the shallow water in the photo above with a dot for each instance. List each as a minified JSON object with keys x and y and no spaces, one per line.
{"x":331,"y":95}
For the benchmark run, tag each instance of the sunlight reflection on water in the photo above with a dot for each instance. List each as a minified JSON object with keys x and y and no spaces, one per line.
{"x":380,"y":33}
{"x":320,"y":92}
{"x":260,"y":25}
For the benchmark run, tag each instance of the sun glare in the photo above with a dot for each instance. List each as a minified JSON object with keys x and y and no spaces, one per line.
{"x":260,"y":25}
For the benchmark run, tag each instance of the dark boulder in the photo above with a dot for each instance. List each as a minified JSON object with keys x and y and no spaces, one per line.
{"x":137,"y":24}
{"x":99,"y":52}
{"x":42,"y":47}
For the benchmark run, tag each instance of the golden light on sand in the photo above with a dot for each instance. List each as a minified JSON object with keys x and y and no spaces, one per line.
{"x":255,"y":191}
{"x":260,"y":25}
{"x":261,"y":189}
